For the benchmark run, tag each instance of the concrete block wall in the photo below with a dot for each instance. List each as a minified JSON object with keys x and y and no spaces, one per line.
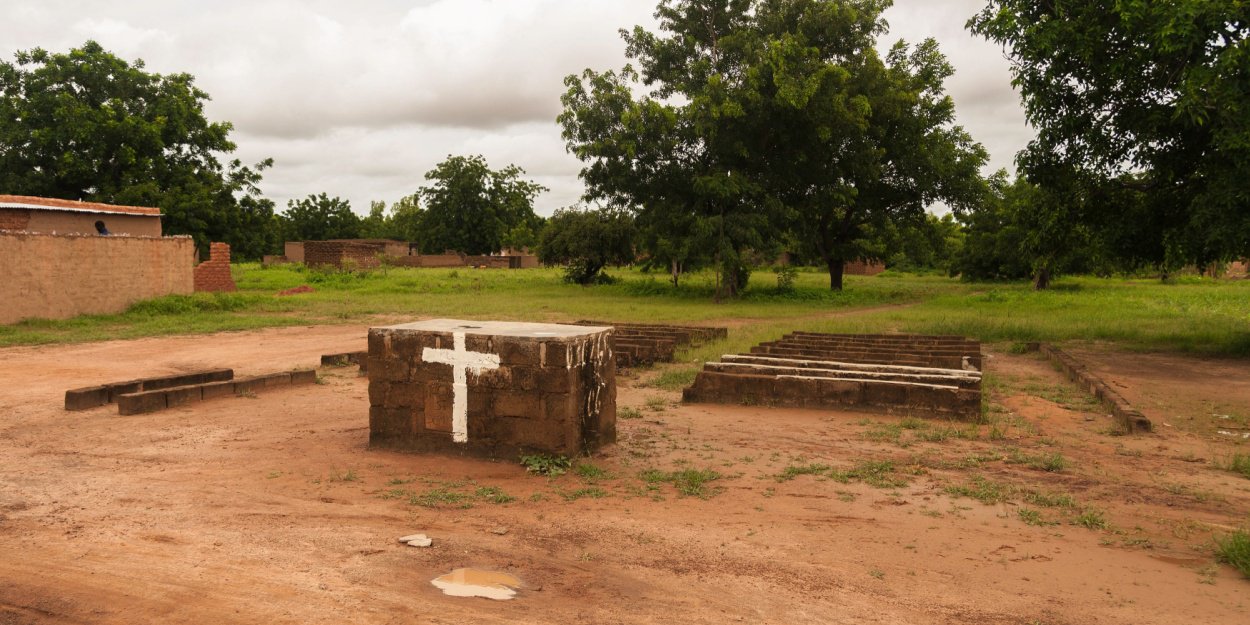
{"x":539,"y":388}
{"x":213,"y":275}
{"x":60,"y":276}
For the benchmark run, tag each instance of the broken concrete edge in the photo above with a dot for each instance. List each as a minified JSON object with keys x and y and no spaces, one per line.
{"x":345,"y":359}
{"x":95,"y":396}
{"x":1128,"y":417}
{"x":143,"y":402}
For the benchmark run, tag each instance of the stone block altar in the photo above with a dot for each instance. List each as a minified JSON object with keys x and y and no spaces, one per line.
{"x":491,"y":388}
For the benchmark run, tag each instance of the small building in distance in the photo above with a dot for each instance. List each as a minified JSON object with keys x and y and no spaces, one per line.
{"x":56,"y":265}
{"x":48,"y":215}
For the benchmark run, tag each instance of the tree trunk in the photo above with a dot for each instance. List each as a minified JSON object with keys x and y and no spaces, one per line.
{"x":837,"y":267}
{"x":676,"y":269}
{"x":1042,"y":281}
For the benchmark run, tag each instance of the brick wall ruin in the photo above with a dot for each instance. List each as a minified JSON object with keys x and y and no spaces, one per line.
{"x":858,"y":268}
{"x":896,"y":374}
{"x":50,"y":276}
{"x":340,"y":254}
{"x":213,"y":275}
{"x":14,"y":219}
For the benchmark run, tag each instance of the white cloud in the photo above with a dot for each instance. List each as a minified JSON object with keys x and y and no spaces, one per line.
{"x":360,"y":99}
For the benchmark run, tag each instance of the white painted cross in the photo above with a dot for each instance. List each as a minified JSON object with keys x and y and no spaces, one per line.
{"x":461,"y":361}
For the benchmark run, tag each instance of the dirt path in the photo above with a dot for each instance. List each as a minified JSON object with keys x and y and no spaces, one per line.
{"x":272,"y":510}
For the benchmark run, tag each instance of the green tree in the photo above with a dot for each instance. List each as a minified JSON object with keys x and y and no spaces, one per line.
{"x":406,"y":217}
{"x":320,"y":218}
{"x":1024,"y":231}
{"x":587,"y":241}
{"x":1139,"y":95}
{"x":87,"y":125}
{"x":929,"y":243}
{"x":471,"y":208}
{"x":768,"y":110}
{"x":681,"y":155}
{"x":863,"y":144}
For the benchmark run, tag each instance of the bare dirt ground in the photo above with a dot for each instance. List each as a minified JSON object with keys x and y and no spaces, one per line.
{"x":273,"y":510}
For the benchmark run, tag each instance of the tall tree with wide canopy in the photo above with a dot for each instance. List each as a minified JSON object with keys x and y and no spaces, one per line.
{"x":859,"y":143}
{"x":1144,"y":96}
{"x":471,"y":208}
{"x":679,"y":155}
{"x":770,"y":109}
{"x":87,"y":125}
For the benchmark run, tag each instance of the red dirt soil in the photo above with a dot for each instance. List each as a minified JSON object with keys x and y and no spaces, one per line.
{"x":273,"y":510}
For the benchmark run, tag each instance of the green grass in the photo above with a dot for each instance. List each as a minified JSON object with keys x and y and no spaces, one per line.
{"x":1091,"y":519}
{"x":985,"y":491}
{"x":627,"y":413}
{"x":1202,"y":316}
{"x":1239,"y":464}
{"x":688,"y":482}
{"x":591,"y":473}
{"x":442,"y":497}
{"x":593,"y":492}
{"x":1234,"y":550}
{"x":1032,"y":517}
{"x":876,"y":473}
{"x":676,"y":379}
{"x":1193,"y":315}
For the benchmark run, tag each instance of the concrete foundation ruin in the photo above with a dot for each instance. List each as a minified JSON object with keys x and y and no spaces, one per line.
{"x":492,"y":389}
{"x":897,"y":374}
{"x":644,"y":344}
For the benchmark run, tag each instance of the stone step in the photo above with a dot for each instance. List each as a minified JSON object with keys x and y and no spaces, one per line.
{"x":696,"y":333}
{"x":914,"y":360}
{"x":857,"y":366}
{"x":969,"y":346}
{"x":94,"y":396}
{"x":811,"y":391}
{"x":851,"y":374}
{"x":877,"y":349}
{"x":900,"y":337}
{"x":157,"y":400}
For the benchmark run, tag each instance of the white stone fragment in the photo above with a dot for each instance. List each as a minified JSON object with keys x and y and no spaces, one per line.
{"x":410,"y":538}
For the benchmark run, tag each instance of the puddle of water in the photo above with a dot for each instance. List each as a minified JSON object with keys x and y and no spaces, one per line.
{"x":478,"y":583}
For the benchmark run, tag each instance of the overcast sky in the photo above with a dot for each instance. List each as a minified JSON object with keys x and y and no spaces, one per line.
{"x":360,"y":99}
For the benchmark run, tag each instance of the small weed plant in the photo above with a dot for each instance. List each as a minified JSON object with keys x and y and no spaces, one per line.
{"x":546,"y":464}
{"x":1239,"y":464}
{"x":628,"y":413}
{"x":1234,"y":550}
{"x":688,"y":482}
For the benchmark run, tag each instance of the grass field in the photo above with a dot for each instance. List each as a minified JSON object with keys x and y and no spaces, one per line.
{"x":1200,"y":316}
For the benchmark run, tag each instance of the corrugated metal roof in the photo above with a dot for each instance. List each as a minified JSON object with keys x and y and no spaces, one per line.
{"x":44,"y":203}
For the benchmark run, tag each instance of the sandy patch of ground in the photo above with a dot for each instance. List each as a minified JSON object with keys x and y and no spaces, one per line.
{"x":273,"y":510}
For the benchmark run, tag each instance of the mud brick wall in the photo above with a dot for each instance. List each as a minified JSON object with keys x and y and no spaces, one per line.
{"x":61,"y":276}
{"x":547,"y":388}
{"x":294,"y":251}
{"x":863,"y":269}
{"x":14,"y":219}
{"x":213,"y":275}
{"x":340,"y":254}
{"x":67,"y":222}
